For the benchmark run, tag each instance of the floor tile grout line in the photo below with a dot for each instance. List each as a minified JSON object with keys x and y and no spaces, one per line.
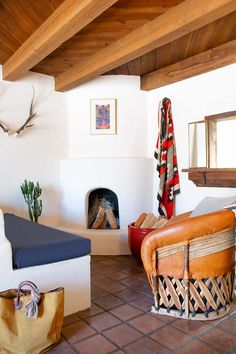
{"x":104,"y":309}
{"x":143,"y":336}
{"x":130,"y":287}
{"x":70,"y":344}
{"x":124,"y":303}
{"x":123,"y":321}
{"x":127,"y":286}
{"x":117,"y":317}
{"x":102,"y":332}
{"x":88,"y":337}
{"x":198,"y":337}
{"x":116,"y":295}
{"x":142,"y":292}
{"x":210,"y":345}
{"x":181,"y":330}
{"x":155,"y":340}
{"x":120,"y":347}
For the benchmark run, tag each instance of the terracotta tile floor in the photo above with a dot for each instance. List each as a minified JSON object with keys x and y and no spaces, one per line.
{"x":120,"y":320}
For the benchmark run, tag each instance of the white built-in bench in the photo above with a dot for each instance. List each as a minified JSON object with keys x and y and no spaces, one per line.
{"x":72,"y":274}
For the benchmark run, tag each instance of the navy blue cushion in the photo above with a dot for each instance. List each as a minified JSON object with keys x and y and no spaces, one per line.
{"x":35,"y":244}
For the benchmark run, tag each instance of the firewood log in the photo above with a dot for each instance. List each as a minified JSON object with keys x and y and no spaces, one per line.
{"x":160,"y":222}
{"x":111,"y":218}
{"x":99,"y":219}
{"x":140,"y":220}
{"x":103,"y":225}
{"x":148,"y":221}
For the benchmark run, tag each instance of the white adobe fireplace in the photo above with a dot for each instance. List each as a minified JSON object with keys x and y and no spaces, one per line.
{"x":131,"y":179}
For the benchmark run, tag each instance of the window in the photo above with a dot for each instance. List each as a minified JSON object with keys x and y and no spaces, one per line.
{"x":221,"y":141}
{"x":212,"y":142}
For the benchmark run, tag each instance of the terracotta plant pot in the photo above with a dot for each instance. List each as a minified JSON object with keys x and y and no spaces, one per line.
{"x":136,"y":236}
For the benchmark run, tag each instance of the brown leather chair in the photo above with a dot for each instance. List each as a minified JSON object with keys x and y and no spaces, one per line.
{"x":190,"y":265}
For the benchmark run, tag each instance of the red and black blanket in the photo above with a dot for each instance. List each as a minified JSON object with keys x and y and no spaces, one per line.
{"x":165,"y":154}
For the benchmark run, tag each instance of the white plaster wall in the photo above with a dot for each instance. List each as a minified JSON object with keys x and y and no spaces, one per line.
{"x":192,"y":99}
{"x":35,"y":155}
{"x":130,"y":178}
{"x":130,"y":140}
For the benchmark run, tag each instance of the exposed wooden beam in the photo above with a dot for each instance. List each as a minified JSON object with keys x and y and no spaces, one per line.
{"x":200,"y":63}
{"x":176,"y":22}
{"x":66,"y":21}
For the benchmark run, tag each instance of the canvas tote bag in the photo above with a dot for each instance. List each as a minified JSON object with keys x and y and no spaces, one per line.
{"x":30,"y":321}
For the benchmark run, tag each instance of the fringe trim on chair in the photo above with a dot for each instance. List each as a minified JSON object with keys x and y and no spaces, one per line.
{"x":202,"y":246}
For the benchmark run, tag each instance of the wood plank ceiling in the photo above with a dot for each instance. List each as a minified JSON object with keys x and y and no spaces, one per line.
{"x":20,"y":19}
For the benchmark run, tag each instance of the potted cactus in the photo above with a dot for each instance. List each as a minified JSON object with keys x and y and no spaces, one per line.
{"x":31,"y":193}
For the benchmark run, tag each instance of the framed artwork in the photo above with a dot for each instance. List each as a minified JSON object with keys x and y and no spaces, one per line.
{"x":103,"y":116}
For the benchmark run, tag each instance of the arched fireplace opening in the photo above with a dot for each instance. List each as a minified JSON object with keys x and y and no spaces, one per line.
{"x":103,"y":209}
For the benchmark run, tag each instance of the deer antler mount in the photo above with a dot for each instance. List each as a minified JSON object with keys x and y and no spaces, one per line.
{"x":27,"y":124}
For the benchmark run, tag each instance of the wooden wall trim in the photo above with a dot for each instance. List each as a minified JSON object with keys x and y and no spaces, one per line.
{"x":66,"y":21}
{"x":176,"y":22}
{"x":201,"y":63}
{"x":212,"y":177}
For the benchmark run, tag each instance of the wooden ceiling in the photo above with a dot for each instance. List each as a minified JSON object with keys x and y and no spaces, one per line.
{"x":162,"y":41}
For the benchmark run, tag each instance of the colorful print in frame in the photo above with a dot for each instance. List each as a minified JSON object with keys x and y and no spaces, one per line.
{"x":103,"y":116}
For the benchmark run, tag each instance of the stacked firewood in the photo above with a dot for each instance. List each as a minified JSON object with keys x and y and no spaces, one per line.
{"x":149,"y":220}
{"x":104,"y":216}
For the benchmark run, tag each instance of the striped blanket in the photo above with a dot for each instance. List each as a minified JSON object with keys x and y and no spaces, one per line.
{"x":165,"y":154}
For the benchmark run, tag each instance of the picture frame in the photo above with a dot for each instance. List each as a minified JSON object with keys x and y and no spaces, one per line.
{"x":103,"y":116}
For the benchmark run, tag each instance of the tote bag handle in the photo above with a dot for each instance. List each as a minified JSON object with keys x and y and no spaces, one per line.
{"x":31,"y":306}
